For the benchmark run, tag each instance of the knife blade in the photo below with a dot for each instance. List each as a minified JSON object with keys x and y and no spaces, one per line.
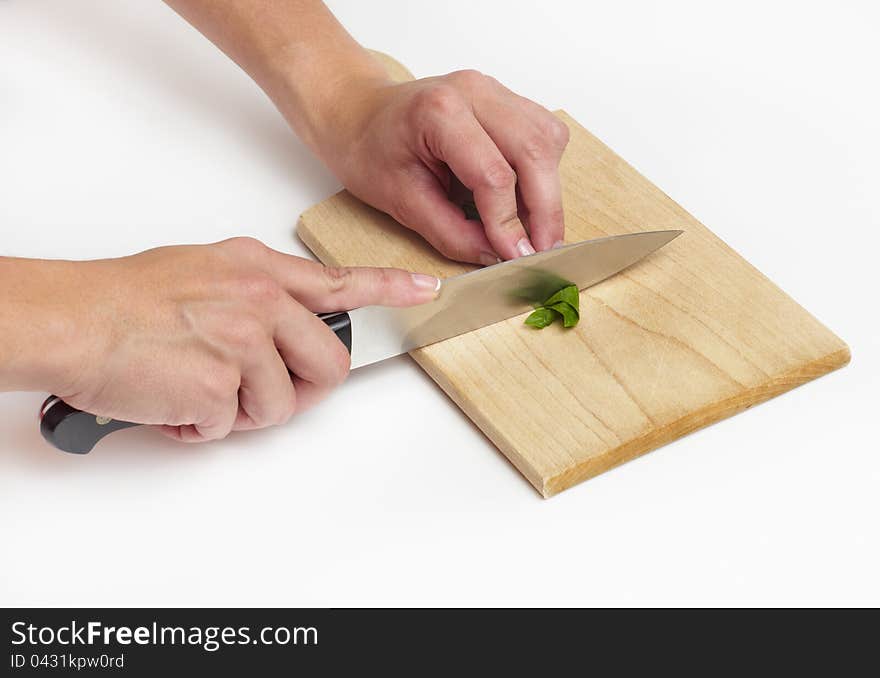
{"x":488,"y":295}
{"x":466,"y":302}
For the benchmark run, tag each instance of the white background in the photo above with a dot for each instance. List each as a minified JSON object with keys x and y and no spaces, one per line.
{"x":121,"y":128}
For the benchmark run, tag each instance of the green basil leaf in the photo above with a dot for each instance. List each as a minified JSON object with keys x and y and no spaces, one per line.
{"x":565,"y":304}
{"x":570,"y":316}
{"x":540,"y":318}
{"x":569,"y":295}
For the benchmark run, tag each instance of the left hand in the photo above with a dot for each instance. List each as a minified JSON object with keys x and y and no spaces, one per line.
{"x":397,"y":145}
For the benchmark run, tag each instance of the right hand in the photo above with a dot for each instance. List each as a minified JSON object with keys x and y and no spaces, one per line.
{"x":199,"y":339}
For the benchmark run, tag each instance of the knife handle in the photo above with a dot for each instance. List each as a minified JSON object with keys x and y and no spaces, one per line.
{"x":75,"y":431}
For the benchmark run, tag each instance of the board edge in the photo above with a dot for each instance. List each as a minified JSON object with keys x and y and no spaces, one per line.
{"x":705,"y":416}
{"x":310,"y":240}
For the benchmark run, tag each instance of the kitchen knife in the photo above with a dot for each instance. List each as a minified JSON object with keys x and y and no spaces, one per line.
{"x":466,"y":302}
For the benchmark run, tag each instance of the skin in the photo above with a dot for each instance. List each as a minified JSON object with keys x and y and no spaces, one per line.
{"x":396,"y":145}
{"x":197,"y":339}
{"x":201,"y":340}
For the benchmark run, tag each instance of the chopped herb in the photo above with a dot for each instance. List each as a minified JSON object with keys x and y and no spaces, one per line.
{"x":570,"y":315}
{"x":565,"y":304}
{"x":541,"y":317}
{"x":568,"y":294}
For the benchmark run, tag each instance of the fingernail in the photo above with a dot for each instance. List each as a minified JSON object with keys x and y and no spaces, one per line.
{"x":524,"y":247}
{"x":489,"y":258}
{"x":558,"y":244}
{"x":426,"y":282}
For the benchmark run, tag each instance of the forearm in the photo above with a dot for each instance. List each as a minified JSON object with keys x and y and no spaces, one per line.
{"x":398,"y":145}
{"x":38,"y":339}
{"x":295,"y":50}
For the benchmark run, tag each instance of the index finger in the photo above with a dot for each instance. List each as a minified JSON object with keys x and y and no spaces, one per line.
{"x":342,"y":288}
{"x":323,"y":288}
{"x":463,"y":144}
{"x":533,"y":140}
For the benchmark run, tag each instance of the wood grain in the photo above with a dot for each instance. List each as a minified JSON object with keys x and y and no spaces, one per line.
{"x":689,"y":336}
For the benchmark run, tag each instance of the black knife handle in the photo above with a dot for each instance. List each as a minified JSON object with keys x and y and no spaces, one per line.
{"x":340,"y":323}
{"x":75,"y":431}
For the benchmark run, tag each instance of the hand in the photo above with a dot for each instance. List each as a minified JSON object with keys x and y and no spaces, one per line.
{"x":396,"y":146}
{"x":199,"y":339}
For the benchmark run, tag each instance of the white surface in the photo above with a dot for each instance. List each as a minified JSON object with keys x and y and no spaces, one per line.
{"x":121,"y":129}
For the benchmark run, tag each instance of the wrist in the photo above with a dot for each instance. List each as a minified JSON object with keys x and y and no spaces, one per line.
{"x":324,"y":100}
{"x":44,"y":339}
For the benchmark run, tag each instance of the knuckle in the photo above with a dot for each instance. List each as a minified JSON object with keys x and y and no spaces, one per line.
{"x":383,"y":278}
{"x":206,"y":434}
{"x":275,"y":413}
{"x":556,"y":215}
{"x":258,"y":289}
{"x":283,"y":416}
{"x":561,"y":133}
{"x":538,"y":149}
{"x":244,"y":245}
{"x":451,"y":248}
{"x":438,"y":100}
{"x":555,"y":131}
{"x":336,"y":278}
{"x":215,"y":433}
{"x":219,"y":384}
{"x":510,"y":223}
{"x":271,"y":417}
{"x":246,"y":334}
{"x":499,"y":176}
{"x":469,"y":78}
{"x":402,"y":208}
{"x":547,"y":142}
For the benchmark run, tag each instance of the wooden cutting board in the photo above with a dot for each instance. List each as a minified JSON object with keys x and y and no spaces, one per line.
{"x":689,"y":336}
